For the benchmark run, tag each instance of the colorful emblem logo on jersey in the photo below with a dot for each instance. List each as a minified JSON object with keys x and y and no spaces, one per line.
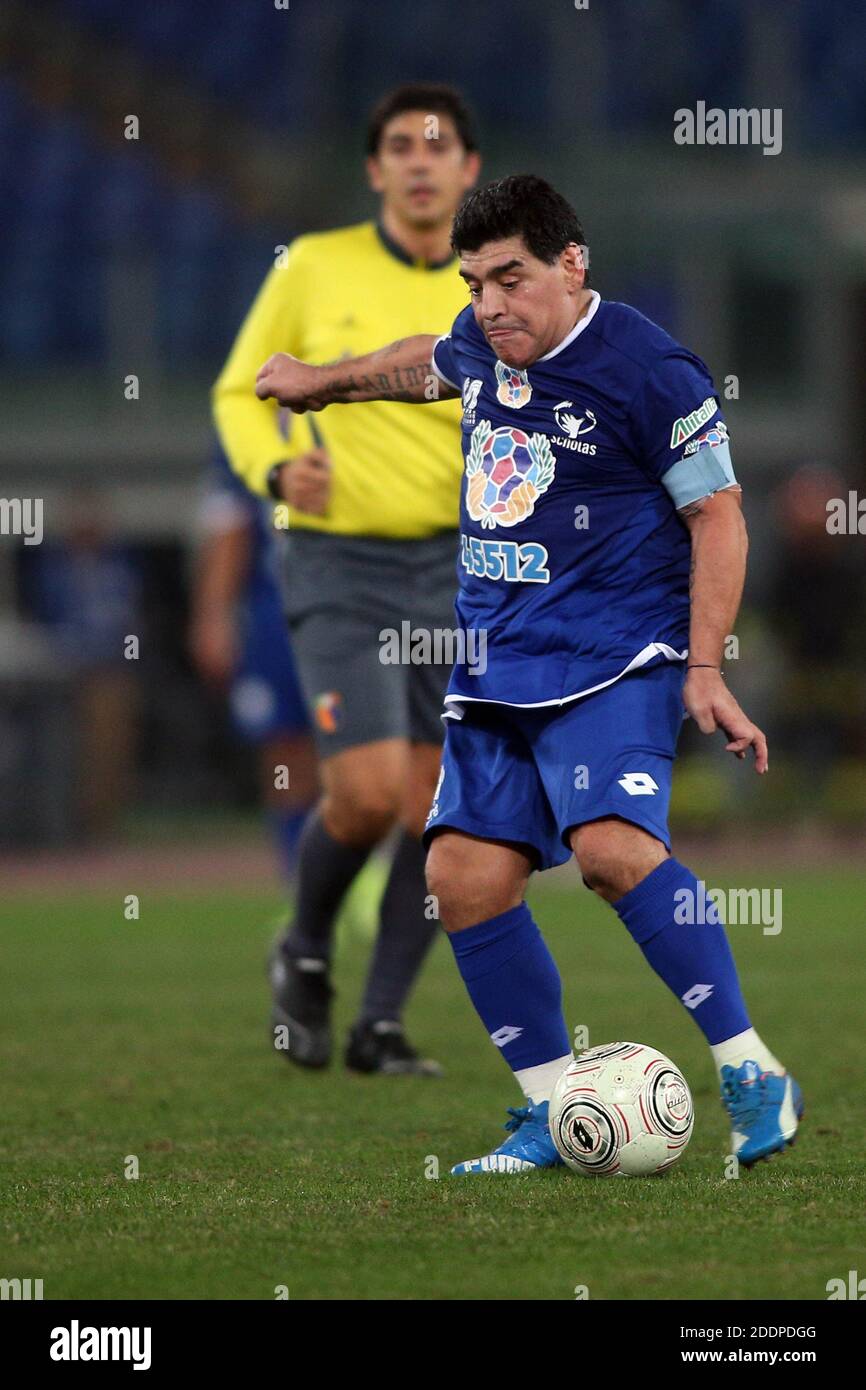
{"x":507,"y":470}
{"x":717,"y":434}
{"x":514,"y":389}
{"x":329,"y":711}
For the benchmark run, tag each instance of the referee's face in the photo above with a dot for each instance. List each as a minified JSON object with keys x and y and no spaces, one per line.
{"x":421,"y":168}
{"x":523,"y":306}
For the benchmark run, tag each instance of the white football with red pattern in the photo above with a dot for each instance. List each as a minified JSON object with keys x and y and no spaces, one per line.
{"x":621,"y":1109}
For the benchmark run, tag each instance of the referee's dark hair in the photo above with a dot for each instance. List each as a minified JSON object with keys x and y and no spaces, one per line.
{"x":521,"y":205}
{"x":436,"y":97}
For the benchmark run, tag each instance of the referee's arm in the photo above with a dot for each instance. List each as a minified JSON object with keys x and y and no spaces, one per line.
{"x":249,"y":428}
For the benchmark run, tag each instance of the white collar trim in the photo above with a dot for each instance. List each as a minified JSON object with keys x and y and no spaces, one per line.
{"x":577,"y":329}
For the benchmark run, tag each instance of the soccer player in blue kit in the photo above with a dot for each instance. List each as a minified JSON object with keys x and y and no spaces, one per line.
{"x":603,"y":558}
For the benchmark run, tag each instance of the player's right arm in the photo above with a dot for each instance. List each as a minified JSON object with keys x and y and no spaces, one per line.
{"x":402,"y":371}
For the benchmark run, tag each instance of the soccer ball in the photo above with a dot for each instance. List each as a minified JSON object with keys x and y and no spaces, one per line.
{"x":621,"y":1109}
{"x":506,"y":462}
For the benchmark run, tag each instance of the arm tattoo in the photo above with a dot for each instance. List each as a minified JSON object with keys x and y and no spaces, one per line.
{"x":386,"y":386}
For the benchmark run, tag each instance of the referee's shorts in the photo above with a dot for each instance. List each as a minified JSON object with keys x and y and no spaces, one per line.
{"x":354,"y":604}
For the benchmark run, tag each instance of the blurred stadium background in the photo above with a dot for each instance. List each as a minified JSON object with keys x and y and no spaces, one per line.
{"x":140,"y":256}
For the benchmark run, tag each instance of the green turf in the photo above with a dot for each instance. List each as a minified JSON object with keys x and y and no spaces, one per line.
{"x":149,"y":1038}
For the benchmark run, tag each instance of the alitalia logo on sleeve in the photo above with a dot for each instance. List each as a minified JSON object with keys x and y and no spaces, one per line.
{"x":687,"y":424}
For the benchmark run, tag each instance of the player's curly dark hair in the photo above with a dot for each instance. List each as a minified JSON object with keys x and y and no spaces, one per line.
{"x":521,"y":205}
{"x":436,"y":97}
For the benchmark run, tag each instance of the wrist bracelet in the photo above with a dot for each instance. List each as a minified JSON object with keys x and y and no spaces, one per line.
{"x":703,"y":666}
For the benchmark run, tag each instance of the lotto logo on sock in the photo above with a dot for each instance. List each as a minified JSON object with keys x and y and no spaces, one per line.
{"x":506,"y":1034}
{"x":698,"y":994}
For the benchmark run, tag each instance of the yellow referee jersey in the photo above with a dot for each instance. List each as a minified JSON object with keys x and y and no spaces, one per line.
{"x":396,"y":467}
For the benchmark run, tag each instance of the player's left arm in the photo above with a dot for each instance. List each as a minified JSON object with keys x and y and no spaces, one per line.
{"x":675,"y":401}
{"x":718,"y":571}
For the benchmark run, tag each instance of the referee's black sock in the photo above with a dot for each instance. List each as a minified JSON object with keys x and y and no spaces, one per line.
{"x":404,"y":936}
{"x":326,"y":868}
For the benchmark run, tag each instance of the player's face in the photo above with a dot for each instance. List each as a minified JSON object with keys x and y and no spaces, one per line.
{"x":523,"y":306}
{"x":422,"y":169}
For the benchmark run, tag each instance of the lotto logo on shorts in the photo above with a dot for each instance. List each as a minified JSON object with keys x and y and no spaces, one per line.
{"x":638,"y":784}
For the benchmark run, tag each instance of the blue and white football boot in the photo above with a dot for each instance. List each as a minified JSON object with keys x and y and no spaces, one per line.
{"x":765,"y":1110}
{"x":528,"y":1146}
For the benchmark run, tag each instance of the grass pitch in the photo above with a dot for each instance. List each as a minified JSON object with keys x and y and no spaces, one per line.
{"x":148,"y":1040}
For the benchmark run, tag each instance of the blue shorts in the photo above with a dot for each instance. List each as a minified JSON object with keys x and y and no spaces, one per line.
{"x":265,"y":698}
{"x":530,"y":775}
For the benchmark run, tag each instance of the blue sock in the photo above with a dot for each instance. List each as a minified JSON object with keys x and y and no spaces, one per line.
{"x":514,"y":984}
{"x":692,"y":957}
{"x":286,"y":827}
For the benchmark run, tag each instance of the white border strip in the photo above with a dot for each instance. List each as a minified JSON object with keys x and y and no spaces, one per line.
{"x":642,"y":658}
{"x":576,"y":331}
{"x":441,"y":375}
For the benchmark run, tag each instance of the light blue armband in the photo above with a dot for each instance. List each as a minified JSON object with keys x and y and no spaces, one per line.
{"x":700,"y":475}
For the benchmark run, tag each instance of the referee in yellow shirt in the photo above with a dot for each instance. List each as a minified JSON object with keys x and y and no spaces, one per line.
{"x":360,"y":561}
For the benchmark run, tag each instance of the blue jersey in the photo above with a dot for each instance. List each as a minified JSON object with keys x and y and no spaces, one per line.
{"x":574,"y":566}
